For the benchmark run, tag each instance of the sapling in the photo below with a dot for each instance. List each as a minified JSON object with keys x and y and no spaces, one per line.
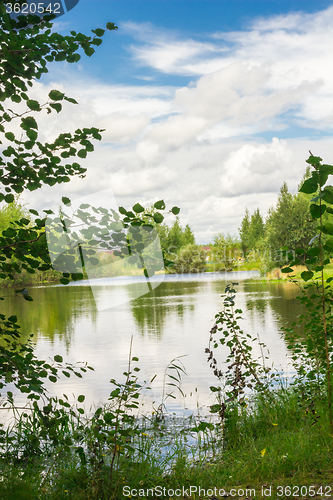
{"x":317,"y":293}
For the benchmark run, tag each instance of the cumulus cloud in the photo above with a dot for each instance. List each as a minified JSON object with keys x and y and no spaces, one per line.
{"x":121,"y":128}
{"x":290,"y":52}
{"x":255,"y":168}
{"x":123,"y":111}
{"x":212,"y":146}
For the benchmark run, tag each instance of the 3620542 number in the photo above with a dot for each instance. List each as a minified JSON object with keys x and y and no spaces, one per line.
{"x":302,"y":491}
{"x":33,"y":8}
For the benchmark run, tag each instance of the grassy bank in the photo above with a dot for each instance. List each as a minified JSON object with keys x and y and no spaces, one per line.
{"x":109,"y":266}
{"x":277,"y":274}
{"x":285,"y":444}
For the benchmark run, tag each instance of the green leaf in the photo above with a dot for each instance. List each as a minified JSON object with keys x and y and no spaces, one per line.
{"x":9,"y":232}
{"x":97,"y":41}
{"x":82,"y":153}
{"x":316,"y":211}
{"x":34,"y":105}
{"x":327,"y":194}
{"x":314,"y":160}
{"x":328,"y":245}
{"x":32,"y":211}
{"x":175,"y":210}
{"x":159,"y":205}
{"x":310,"y":262}
{"x":58,"y":358}
{"x":64,"y":281}
{"x":326,"y":229}
{"x":89,"y":51}
{"x":323,"y":176}
{"x":66,"y":200}
{"x":57,"y":106}
{"x":10,"y":136}
{"x":158,"y":218}
{"x":111,"y":26}
{"x":56,"y":95}
{"x":138,"y":208}
{"x":315,"y":251}
{"x":70,"y":99}
{"x":29,"y":122}
{"x":77,"y":276}
{"x":24,"y":221}
{"x":309,"y":186}
{"x":32,"y":134}
{"x":98,"y":32}
{"x":16,"y":98}
{"x":327,"y":169}
{"x":287,"y":270}
{"x":307,"y":275}
{"x":81,"y":398}
{"x":9,"y":198}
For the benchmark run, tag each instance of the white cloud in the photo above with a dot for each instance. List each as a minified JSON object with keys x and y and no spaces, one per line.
{"x":256,"y":168}
{"x":291,"y":52}
{"x":211,"y":183}
{"x":198,"y":146}
{"x":164,"y":51}
{"x":124,"y":111}
{"x":121,"y":128}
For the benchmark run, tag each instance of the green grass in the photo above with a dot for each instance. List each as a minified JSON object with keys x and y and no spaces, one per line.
{"x":284,"y":443}
{"x":236,"y":266}
{"x":278,"y":276}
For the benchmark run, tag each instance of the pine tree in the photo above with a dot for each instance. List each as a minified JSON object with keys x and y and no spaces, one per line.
{"x":257,"y":229}
{"x":244,"y":233}
{"x":289,"y":224}
{"x":188,"y":236}
{"x":175,"y":237}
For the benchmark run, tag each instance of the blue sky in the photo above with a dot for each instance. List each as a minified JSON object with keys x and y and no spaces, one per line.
{"x":210,"y":105}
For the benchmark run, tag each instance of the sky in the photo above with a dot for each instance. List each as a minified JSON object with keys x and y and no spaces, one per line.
{"x":208,"y":104}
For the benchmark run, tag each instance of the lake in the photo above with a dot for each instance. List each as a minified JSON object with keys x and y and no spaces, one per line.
{"x":172,"y":320}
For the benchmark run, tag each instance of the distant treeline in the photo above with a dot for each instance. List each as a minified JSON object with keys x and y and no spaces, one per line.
{"x":263,"y":242}
{"x":288,"y":225}
{"x":258,"y":244}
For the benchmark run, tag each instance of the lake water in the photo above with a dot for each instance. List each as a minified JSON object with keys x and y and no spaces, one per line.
{"x":172,"y":320}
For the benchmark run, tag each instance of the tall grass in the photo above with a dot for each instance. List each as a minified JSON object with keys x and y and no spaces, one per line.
{"x":287,"y":443}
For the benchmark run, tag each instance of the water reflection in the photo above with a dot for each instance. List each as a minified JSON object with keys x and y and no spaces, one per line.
{"x":172,"y":320}
{"x":53,"y":312}
{"x":280,"y":297}
{"x":152,"y":310}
